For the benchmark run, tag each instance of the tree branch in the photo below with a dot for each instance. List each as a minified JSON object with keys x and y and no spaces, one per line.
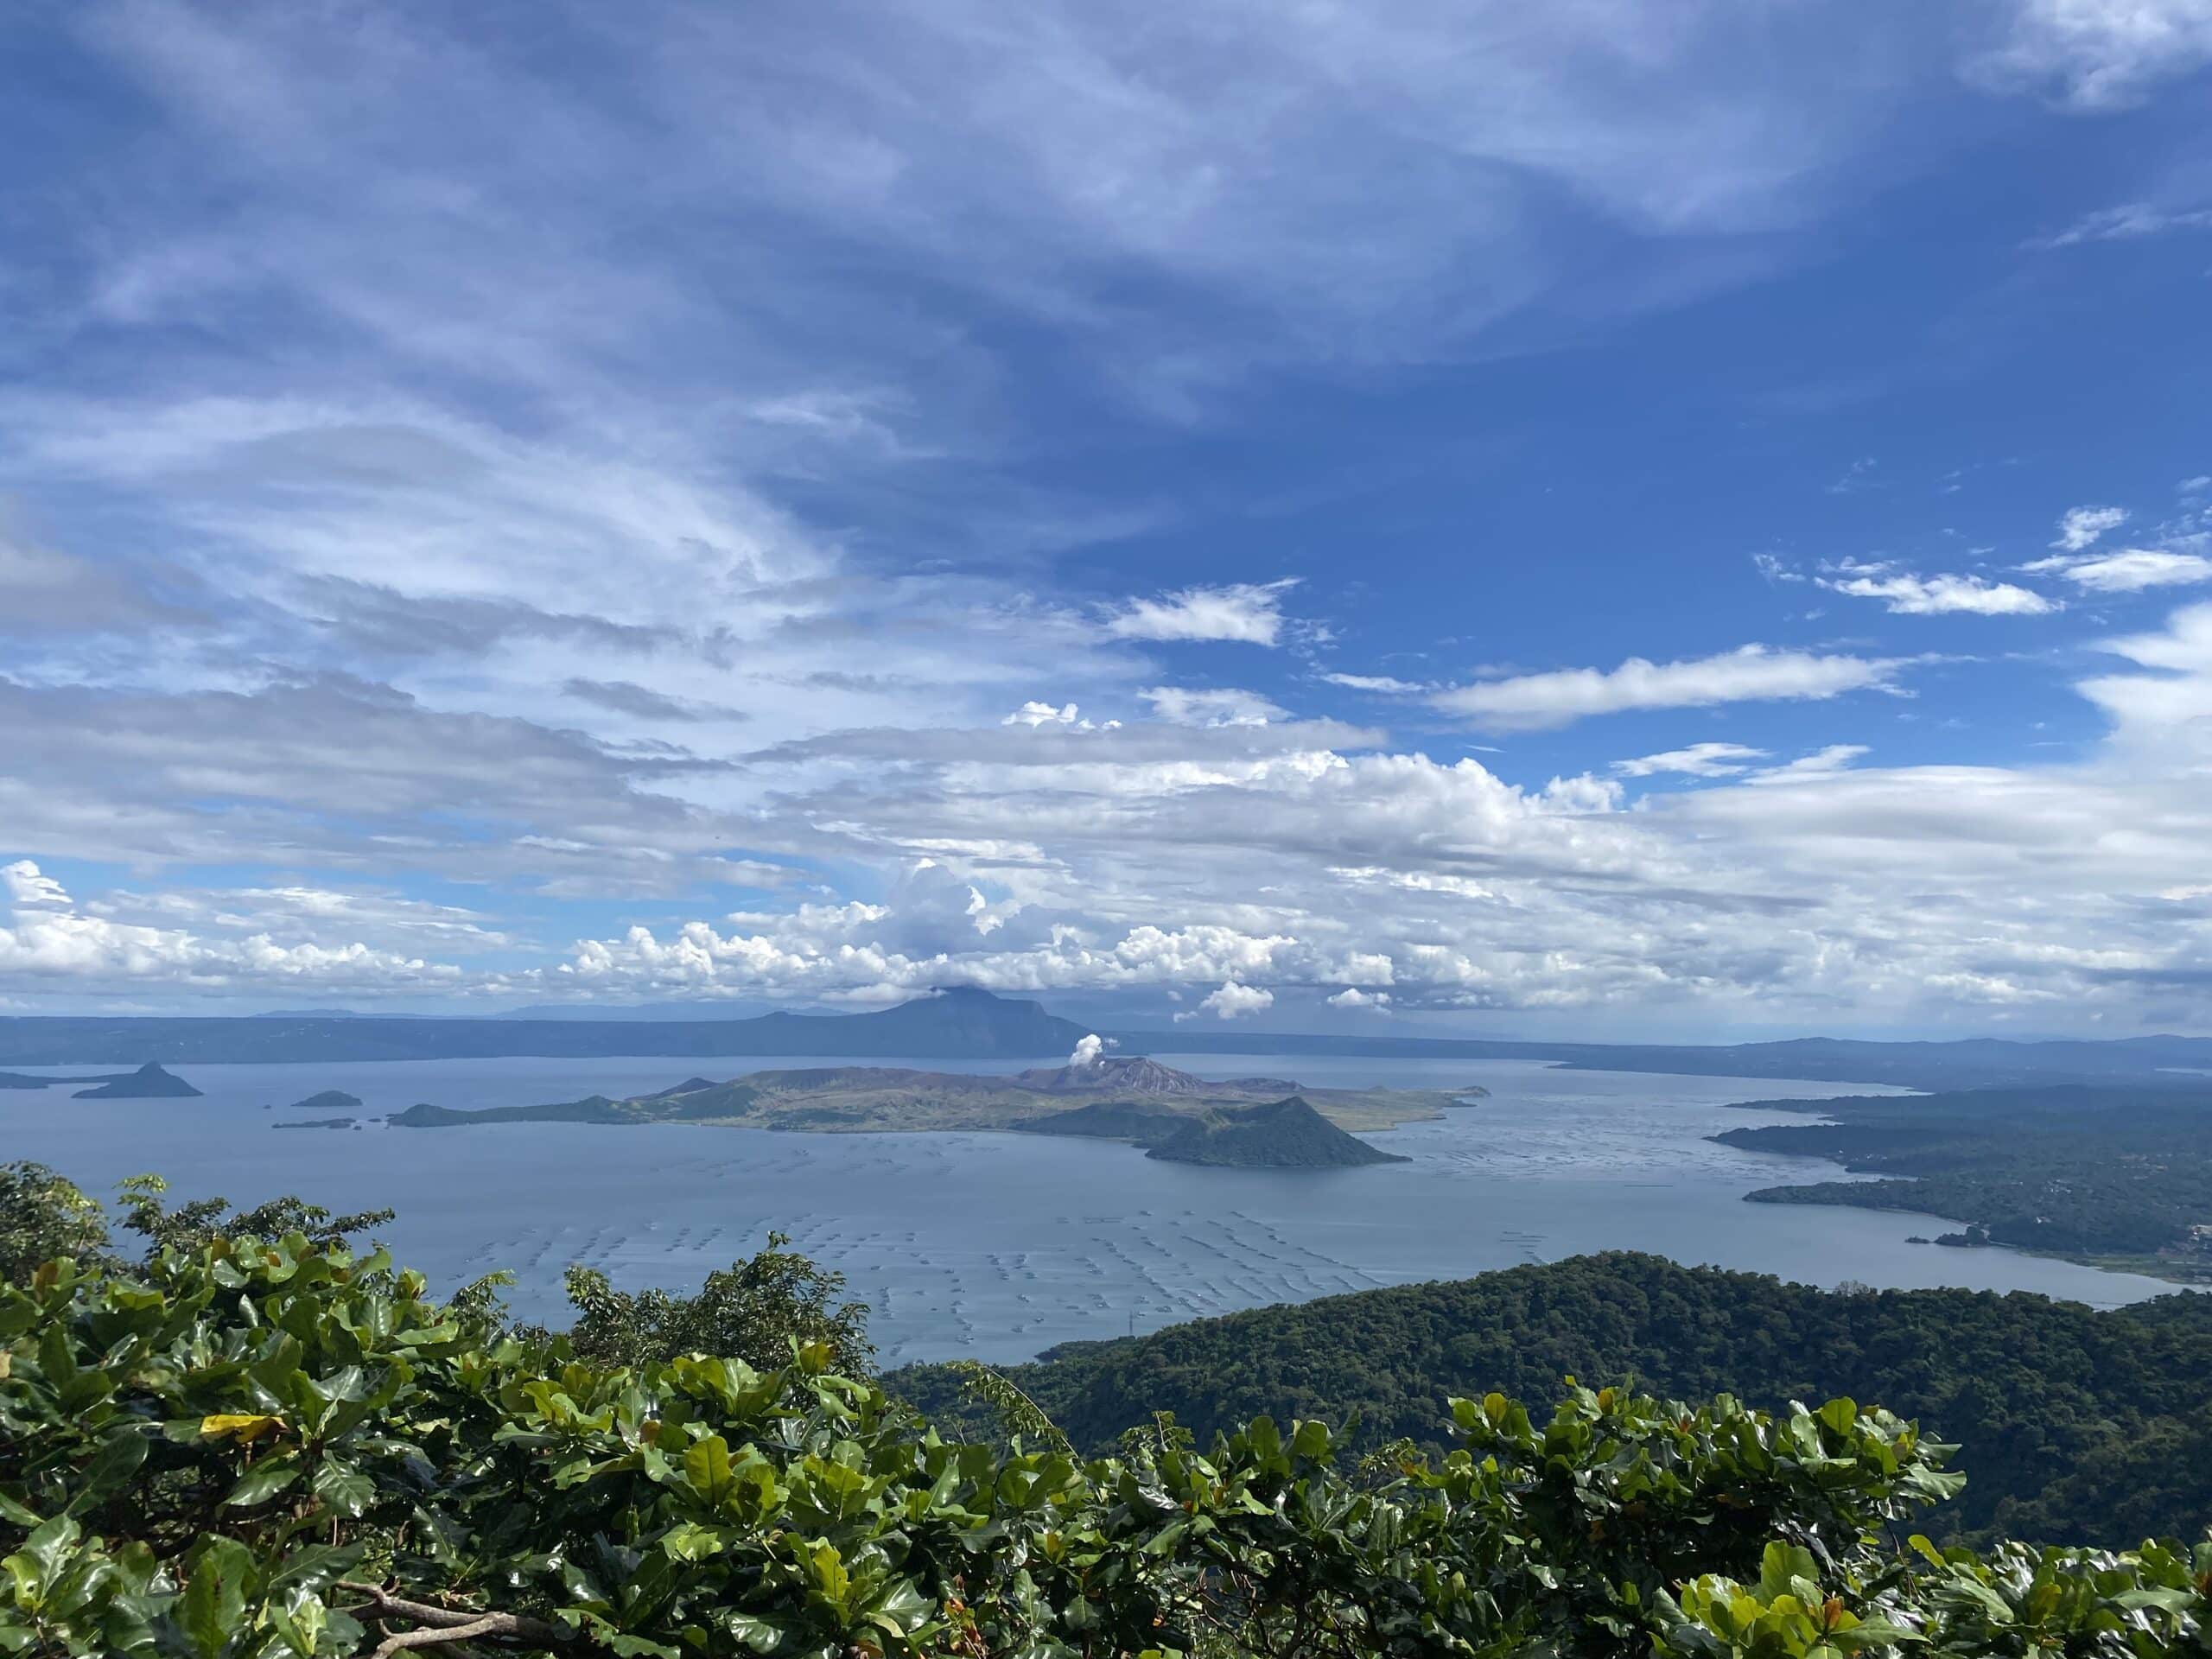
{"x":446,"y":1625}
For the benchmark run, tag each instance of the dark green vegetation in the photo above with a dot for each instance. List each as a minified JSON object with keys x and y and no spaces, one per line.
{"x":330,"y":1100}
{"x":1238,"y":1120}
{"x":2099,"y":1173}
{"x":255,"y":1445}
{"x":2073,"y":1424}
{"x":43,"y":1215}
{"x":751,"y":1311}
{"x":1281,"y":1134}
{"x":148,"y":1081}
{"x":968,"y":1024}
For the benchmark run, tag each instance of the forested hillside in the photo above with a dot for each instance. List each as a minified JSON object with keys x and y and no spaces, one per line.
{"x":2117,"y":1173}
{"x":2072,"y":1423}
{"x":255,"y":1442}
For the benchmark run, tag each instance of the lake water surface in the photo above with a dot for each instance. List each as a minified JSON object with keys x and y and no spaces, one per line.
{"x":1000,"y":1245}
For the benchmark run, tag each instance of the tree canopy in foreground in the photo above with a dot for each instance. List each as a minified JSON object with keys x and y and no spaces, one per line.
{"x":269,"y":1445}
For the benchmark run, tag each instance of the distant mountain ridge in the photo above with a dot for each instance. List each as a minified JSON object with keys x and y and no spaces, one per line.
{"x":971,"y":1024}
{"x":955,"y":1023}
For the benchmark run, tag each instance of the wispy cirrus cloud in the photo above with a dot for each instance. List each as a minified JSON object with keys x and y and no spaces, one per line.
{"x":2131,"y":221}
{"x":1387,"y":686}
{"x":1697,"y":761}
{"x":1753,"y":673}
{"x":2128,"y":570}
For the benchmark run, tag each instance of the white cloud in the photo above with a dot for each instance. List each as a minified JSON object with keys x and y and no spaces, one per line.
{"x":2098,"y":55}
{"x":1381,"y":685}
{"x":1697,"y":760}
{"x":1821,"y":763}
{"x":1749,"y":674}
{"x":461,"y":438}
{"x":50,"y":940}
{"x":1225,"y":706}
{"x":2131,"y":571}
{"x":1904,"y":594}
{"x":29,"y":888}
{"x":2083,"y":525}
{"x":2171,"y":706}
{"x":1245,"y":612}
{"x":1087,"y":1051}
{"x":1232,"y":1000}
{"x":1352,"y":997}
{"x":2130,"y":221}
{"x":1787,"y":892}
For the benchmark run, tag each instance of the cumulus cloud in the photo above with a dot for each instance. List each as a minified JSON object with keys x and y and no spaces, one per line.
{"x":1231,"y":1000}
{"x":1905,"y":593}
{"x":1088,"y":1052}
{"x":29,"y":888}
{"x":1750,"y":674}
{"x":1697,"y":761}
{"x":50,"y":940}
{"x":1244,"y":613}
{"x":1033,"y":714}
{"x":1352,"y":997}
{"x":2083,"y":525}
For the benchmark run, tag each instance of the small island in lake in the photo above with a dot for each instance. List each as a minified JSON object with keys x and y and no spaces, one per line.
{"x":330,"y":1100}
{"x":1263,"y":1122}
{"x":1283,"y":1134}
{"x":148,"y":1081}
{"x":318,"y":1123}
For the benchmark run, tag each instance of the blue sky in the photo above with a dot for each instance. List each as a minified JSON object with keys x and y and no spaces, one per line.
{"x":1610,"y":520}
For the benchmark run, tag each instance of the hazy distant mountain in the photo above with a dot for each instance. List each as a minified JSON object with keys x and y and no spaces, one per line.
{"x":1967,"y":1063}
{"x":958,"y":1024}
{"x":970,"y":1025}
{"x":627,"y":1013}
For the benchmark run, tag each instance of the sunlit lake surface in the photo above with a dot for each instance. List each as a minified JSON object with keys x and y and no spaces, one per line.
{"x":1000,"y":1245}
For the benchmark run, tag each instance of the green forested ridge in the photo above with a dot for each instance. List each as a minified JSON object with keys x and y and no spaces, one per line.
{"x":2071,"y":1423}
{"x":258,"y":1441}
{"x":2080,"y":1170}
{"x":259,"y":1446}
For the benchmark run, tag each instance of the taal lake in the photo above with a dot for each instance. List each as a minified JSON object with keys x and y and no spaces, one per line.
{"x":997,"y":1246}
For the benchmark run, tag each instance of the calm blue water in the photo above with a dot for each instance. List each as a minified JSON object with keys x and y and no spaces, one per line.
{"x":1000,"y":1245}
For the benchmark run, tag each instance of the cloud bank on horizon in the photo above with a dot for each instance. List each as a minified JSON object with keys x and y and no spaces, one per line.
{"x":1624,"y":520}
